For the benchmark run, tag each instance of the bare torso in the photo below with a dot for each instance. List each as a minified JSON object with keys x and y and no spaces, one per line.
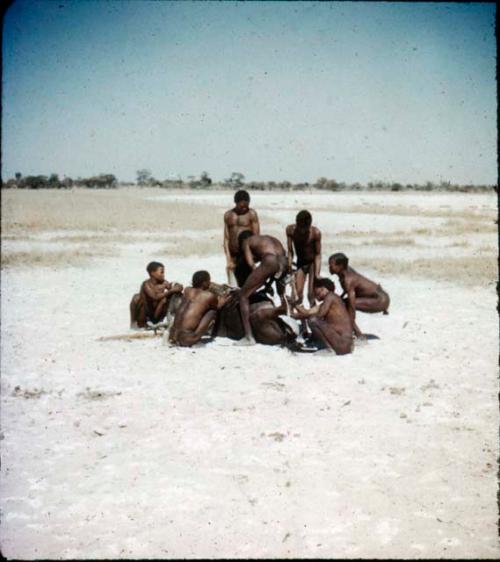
{"x":304,"y":243}
{"x":337,"y":315}
{"x":195,"y":303}
{"x":237,"y":223}
{"x":152,"y":292}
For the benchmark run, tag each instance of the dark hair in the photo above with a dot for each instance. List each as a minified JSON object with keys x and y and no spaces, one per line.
{"x":324,"y":282}
{"x":303,"y":219}
{"x":241,"y":195}
{"x":243,"y":236}
{"x":199,"y":278}
{"x":339,"y":259}
{"x":153,"y":266}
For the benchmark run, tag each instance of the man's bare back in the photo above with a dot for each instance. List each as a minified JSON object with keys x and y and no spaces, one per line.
{"x":270,"y":253}
{"x":256,"y":247}
{"x":194,"y":305}
{"x":197,"y":311}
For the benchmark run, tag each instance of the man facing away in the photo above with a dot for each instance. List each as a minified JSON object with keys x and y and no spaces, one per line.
{"x":197,"y":311}
{"x":306,"y":240}
{"x":273,"y":264}
{"x":236,"y":220}
{"x":361,"y":293}
{"x":152,"y":302}
{"x":329,"y":321}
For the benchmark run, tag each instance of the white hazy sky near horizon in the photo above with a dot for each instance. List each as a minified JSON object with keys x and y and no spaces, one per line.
{"x":276,"y":90}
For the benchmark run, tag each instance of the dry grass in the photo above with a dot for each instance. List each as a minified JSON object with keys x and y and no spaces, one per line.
{"x":102,"y":211}
{"x":412,"y":211}
{"x":76,"y":257}
{"x":450,"y":228}
{"x":126,"y":216}
{"x":470,"y":272}
{"x":195,"y":247}
{"x":391,"y":242}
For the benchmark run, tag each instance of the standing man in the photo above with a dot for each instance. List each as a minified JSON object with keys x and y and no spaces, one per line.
{"x":306,"y":240}
{"x":236,"y":220}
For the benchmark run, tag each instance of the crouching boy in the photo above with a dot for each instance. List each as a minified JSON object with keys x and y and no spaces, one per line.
{"x":155,"y":298}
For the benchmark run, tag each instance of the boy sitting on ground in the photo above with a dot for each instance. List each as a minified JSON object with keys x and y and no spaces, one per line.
{"x":329,"y":321}
{"x":197,"y":311}
{"x":152,"y":302}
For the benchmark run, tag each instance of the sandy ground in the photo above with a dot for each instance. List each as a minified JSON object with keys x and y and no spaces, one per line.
{"x":133,"y":449}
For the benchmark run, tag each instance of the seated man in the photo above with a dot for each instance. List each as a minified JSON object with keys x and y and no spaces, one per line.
{"x":329,"y":321}
{"x":155,"y":298}
{"x":197,"y":311}
{"x":306,"y":240}
{"x":267,"y":326}
{"x":361,"y":293}
{"x":273,"y":264}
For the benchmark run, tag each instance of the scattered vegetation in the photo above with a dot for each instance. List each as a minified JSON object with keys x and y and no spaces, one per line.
{"x":145,"y":178}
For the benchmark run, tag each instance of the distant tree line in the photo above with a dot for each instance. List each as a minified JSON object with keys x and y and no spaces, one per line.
{"x":102,"y":181}
{"x":236,"y":180}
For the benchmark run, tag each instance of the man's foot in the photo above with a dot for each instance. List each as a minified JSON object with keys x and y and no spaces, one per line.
{"x":246,"y":341}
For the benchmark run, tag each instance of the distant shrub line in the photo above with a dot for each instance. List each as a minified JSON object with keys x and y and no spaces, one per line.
{"x":236,"y":181}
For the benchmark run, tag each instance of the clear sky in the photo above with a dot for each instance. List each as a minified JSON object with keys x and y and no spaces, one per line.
{"x":276,"y":90}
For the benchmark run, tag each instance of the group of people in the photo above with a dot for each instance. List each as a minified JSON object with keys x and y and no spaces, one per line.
{"x":258,"y":268}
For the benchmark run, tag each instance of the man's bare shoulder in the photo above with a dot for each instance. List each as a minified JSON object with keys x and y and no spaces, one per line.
{"x":331,"y":298}
{"x":290,"y":229}
{"x":188,"y":291}
{"x":316,"y":232}
{"x":252,"y":213}
{"x":229,"y":214}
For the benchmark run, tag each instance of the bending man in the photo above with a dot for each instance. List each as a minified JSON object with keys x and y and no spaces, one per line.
{"x":273,"y":264}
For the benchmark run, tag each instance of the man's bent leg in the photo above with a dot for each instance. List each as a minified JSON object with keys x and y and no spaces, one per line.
{"x":187,"y":338}
{"x":137,"y":313}
{"x":268,"y":266}
{"x":378,"y":303}
{"x":300,"y":279}
{"x":342,"y":345}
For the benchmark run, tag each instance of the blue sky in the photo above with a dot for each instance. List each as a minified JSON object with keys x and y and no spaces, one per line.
{"x":276,"y":90}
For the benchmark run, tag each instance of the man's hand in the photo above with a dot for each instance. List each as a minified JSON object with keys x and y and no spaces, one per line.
{"x":230,"y":264}
{"x":222,"y":300}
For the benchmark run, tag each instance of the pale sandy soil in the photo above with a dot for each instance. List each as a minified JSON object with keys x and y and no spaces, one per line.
{"x":133,"y":449}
